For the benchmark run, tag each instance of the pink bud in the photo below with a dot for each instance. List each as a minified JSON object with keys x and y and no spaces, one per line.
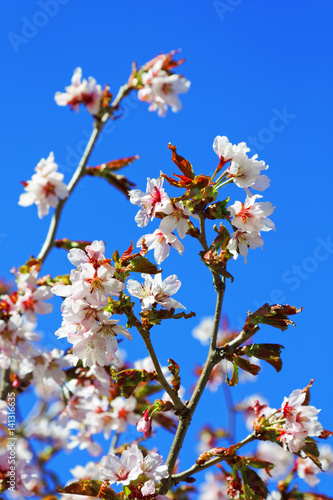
{"x":144,"y":424}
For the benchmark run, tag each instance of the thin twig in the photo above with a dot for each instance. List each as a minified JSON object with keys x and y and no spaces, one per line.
{"x":5,"y":383}
{"x":211,"y":361}
{"x":179,"y":405}
{"x":80,"y":171}
{"x":197,"y":468}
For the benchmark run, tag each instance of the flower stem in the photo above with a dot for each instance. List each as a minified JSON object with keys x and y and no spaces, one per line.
{"x":179,"y":405}
{"x":218,"y":186}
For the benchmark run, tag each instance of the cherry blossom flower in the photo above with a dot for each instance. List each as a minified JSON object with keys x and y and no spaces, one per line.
{"x":32,"y":302}
{"x":275,"y":495}
{"x":45,"y":188}
{"x":155,"y":291}
{"x":118,"y":470}
{"x":151,"y":466}
{"x":148,"y":488}
{"x":226,"y":151}
{"x":92,"y":284}
{"x":161,"y":243}
{"x":85,"y":92}
{"x":8,"y":334}
{"x":131,"y":465}
{"x":99,"y":344}
{"x":123,"y":413}
{"x":48,"y":367}
{"x":241,"y":241}
{"x":93,"y":254}
{"x":300,"y":422}
{"x":300,"y":416}
{"x":326,"y":457}
{"x":155,"y":199}
{"x":161,"y":89}
{"x":90,"y":471}
{"x":144,"y":424}
{"x":252,"y":216}
{"x":308,"y":471}
{"x":178,"y":218}
{"x":245,"y":172}
{"x":203,"y":331}
{"x":213,"y":488}
{"x":271,"y":452}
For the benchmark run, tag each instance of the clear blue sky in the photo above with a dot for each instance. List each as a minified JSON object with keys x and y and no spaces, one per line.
{"x":261,"y":72}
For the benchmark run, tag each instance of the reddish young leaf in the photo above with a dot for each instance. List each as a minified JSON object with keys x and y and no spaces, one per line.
{"x":183,"y":164}
{"x":91,"y":488}
{"x":174,"y":370}
{"x":275,"y":315}
{"x":114,"y":164}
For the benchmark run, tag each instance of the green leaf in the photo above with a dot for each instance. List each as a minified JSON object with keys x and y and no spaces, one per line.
{"x":143,"y":265}
{"x":257,"y":463}
{"x":129,"y":379}
{"x":218,"y":210}
{"x":148,"y":390}
{"x":311,"y":450}
{"x":254,"y":487}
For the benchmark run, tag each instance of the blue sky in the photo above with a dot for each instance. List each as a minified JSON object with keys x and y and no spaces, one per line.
{"x":261,"y":72}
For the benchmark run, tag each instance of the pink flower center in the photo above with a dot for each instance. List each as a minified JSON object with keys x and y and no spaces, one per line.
{"x":245,"y":214}
{"x":166,"y":88}
{"x":288,"y":411}
{"x":49,"y":189}
{"x":29,"y":304}
{"x":156,"y":196}
{"x":122,"y":413}
{"x":122,"y":473}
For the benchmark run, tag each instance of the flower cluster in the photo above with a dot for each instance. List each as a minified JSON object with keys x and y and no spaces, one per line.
{"x":85,"y":92}
{"x":17,"y":321}
{"x":132,"y":469}
{"x":160,"y":87}
{"x":251,"y":217}
{"x":292,"y":424}
{"x":175,"y":216}
{"x":154,"y":291}
{"x":300,"y":421}
{"x":45,"y":188}
{"x":86,"y":324}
